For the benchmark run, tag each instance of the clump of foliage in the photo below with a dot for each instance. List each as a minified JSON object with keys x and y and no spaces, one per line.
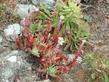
{"x":98,"y":67}
{"x":73,"y":27}
{"x":45,"y":47}
{"x":41,"y":39}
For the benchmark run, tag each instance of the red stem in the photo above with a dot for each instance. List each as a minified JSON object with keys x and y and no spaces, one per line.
{"x":73,"y":61}
{"x":59,"y":24}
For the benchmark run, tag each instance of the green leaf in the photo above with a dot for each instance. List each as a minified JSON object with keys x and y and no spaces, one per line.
{"x":106,"y":62}
{"x":52,"y":70}
{"x":105,"y":78}
{"x":35,"y":52}
{"x":55,"y":21}
{"x":43,"y":16}
{"x":45,"y":8}
{"x":45,"y":12}
{"x":33,"y":28}
{"x":93,"y":76}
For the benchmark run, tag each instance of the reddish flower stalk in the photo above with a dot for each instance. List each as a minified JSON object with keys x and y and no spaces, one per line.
{"x":45,"y":37}
{"x":27,"y":21}
{"x":78,"y":54}
{"x":60,"y":23}
{"x":55,"y":39}
{"x":27,"y":18}
{"x":56,"y":34}
{"x":50,"y":21}
{"x":17,"y":42}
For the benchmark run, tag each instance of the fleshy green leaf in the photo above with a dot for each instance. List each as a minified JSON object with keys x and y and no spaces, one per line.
{"x":33,"y":28}
{"x":105,"y":78}
{"x":52,"y":70}
{"x":35,"y":52}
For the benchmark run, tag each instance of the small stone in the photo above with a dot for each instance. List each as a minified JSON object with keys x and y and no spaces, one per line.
{"x":12,"y":59}
{"x":23,"y":1}
{"x":7,"y":81}
{"x":49,"y":3}
{"x":107,"y":1}
{"x":14,"y":63}
{"x":78,"y":1}
{"x":71,"y":56}
{"x":87,"y":18}
{"x":12,"y":31}
{"x":1,"y":40}
{"x":35,"y":2}
{"x":12,"y":56}
{"x":45,"y":81}
{"x":7,"y":72}
{"x":14,"y":52}
{"x":23,"y":10}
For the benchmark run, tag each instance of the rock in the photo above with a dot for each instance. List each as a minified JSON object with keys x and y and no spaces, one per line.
{"x":23,"y":1}
{"x":45,"y":81}
{"x":12,"y":64}
{"x":23,"y":9}
{"x":49,"y":3}
{"x":1,"y":40}
{"x":14,"y":52}
{"x":107,"y":1}
{"x":71,"y":56}
{"x":87,"y":18}
{"x":12,"y":56}
{"x":67,"y":78}
{"x":35,"y":2}
{"x":12,"y":31}
{"x":7,"y":72}
{"x":7,"y":80}
{"x":78,"y":1}
{"x":12,"y":59}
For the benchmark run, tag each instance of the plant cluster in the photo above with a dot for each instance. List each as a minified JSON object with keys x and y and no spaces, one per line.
{"x":74,"y":29}
{"x":98,"y":67}
{"x":42,"y":40}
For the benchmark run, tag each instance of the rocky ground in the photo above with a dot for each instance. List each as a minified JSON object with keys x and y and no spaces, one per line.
{"x":100,"y":27}
{"x":18,"y":66}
